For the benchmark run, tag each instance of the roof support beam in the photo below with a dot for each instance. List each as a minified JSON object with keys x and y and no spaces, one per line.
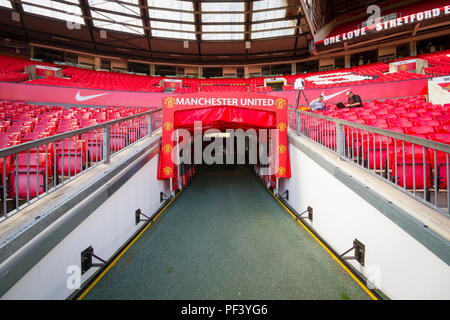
{"x":146,"y":22}
{"x":17,"y":7}
{"x":308,"y":18}
{"x":198,"y":28}
{"x":248,"y":21}
{"x":88,"y":20}
{"x":416,"y":28}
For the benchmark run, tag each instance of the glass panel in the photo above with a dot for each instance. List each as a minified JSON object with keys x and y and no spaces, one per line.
{"x":223,"y":28}
{"x":272,"y":11}
{"x":272,"y":33}
{"x":223,"y":36}
{"x":274,"y":25}
{"x":268,"y":15}
{"x":173,"y":34}
{"x":228,"y":7}
{"x":172,"y":26}
{"x":269,"y":4}
{"x":171,"y":15}
{"x":126,"y":24}
{"x":126,"y":17}
{"x":223,"y":17}
{"x":5,"y":3}
{"x":171,"y":4}
{"x":53,"y":9}
{"x":116,"y":7}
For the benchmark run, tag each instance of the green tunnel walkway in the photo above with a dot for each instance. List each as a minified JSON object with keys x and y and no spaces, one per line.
{"x":225,"y":237}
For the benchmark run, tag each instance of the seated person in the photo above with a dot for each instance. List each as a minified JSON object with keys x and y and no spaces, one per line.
{"x":317,"y":104}
{"x":354,"y":101}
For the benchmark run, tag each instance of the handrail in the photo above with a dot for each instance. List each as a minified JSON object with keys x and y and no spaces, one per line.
{"x":53,"y":161}
{"x":58,"y":137}
{"x":400,"y":136}
{"x":415,"y":165}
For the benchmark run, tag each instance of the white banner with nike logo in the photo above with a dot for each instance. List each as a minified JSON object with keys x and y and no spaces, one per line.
{"x":78,"y":96}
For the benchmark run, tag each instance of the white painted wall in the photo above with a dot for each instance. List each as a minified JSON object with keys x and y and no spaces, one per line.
{"x":106,"y":229}
{"x":403,"y":267}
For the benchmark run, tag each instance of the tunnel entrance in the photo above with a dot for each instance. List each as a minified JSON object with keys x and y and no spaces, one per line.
{"x":259,"y":120}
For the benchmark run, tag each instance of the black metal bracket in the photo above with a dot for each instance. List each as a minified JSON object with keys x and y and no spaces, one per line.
{"x":86,"y":260}
{"x":163,"y":197}
{"x":138,"y":213}
{"x":308,"y":210}
{"x":284,"y":195}
{"x":360,"y":252}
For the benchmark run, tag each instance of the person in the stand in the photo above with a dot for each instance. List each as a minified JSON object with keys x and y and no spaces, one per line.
{"x":317,"y":104}
{"x":354,"y":101}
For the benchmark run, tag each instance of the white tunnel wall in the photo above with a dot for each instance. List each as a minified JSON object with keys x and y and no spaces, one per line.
{"x":106,"y":230}
{"x":401,"y":266}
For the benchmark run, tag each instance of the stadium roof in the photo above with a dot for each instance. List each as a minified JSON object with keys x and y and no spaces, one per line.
{"x":159,"y":29}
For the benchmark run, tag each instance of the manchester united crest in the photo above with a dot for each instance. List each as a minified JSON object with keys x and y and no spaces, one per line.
{"x":168,"y":125}
{"x":167,"y":148}
{"x":167,"y":171}
{"x":282,"y":126}
{"x":281,"y":171}
{"x":169,"y":102}
{"x":282,"y":149}
{"x":280,"y":103}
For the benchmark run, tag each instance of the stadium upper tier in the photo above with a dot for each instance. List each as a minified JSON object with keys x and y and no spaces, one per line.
{"x":12,"y":70}
{"x":21,"y":122}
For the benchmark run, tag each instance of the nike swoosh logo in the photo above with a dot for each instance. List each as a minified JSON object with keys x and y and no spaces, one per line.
{"x":325,"y":98}
{"x":78,"y":97}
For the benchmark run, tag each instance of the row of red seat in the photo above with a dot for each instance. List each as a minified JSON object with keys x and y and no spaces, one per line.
{"x":20,"y":123}
{"x":87,"y":78}
{"x":437,"y":71}
{"x":11,"y":69}
{"x":408,"y":166}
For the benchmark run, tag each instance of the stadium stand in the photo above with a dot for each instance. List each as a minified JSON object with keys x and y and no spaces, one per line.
{"x":21,"y":122}
{"x":412,"y":116}
{"x":11,"y":69}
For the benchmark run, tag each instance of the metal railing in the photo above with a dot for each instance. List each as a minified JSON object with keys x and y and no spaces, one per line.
{"x":417,"y":166}
{"x":32,"y":170}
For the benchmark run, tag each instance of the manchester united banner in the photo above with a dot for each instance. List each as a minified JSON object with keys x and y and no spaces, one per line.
{"x":258,"y":114}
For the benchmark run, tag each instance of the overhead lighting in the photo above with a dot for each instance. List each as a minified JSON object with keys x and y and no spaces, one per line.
{"x":15,"y":16}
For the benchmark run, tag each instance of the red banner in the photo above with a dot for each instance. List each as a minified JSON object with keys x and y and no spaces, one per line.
{"x":385,"y":26}
{"x":381,"y":90}
{"x":406,"y":65}
{"x":46,"y":71}
{"x":79,"y":96}
{"x":172,"y":83}
{"x":223,"y":111}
